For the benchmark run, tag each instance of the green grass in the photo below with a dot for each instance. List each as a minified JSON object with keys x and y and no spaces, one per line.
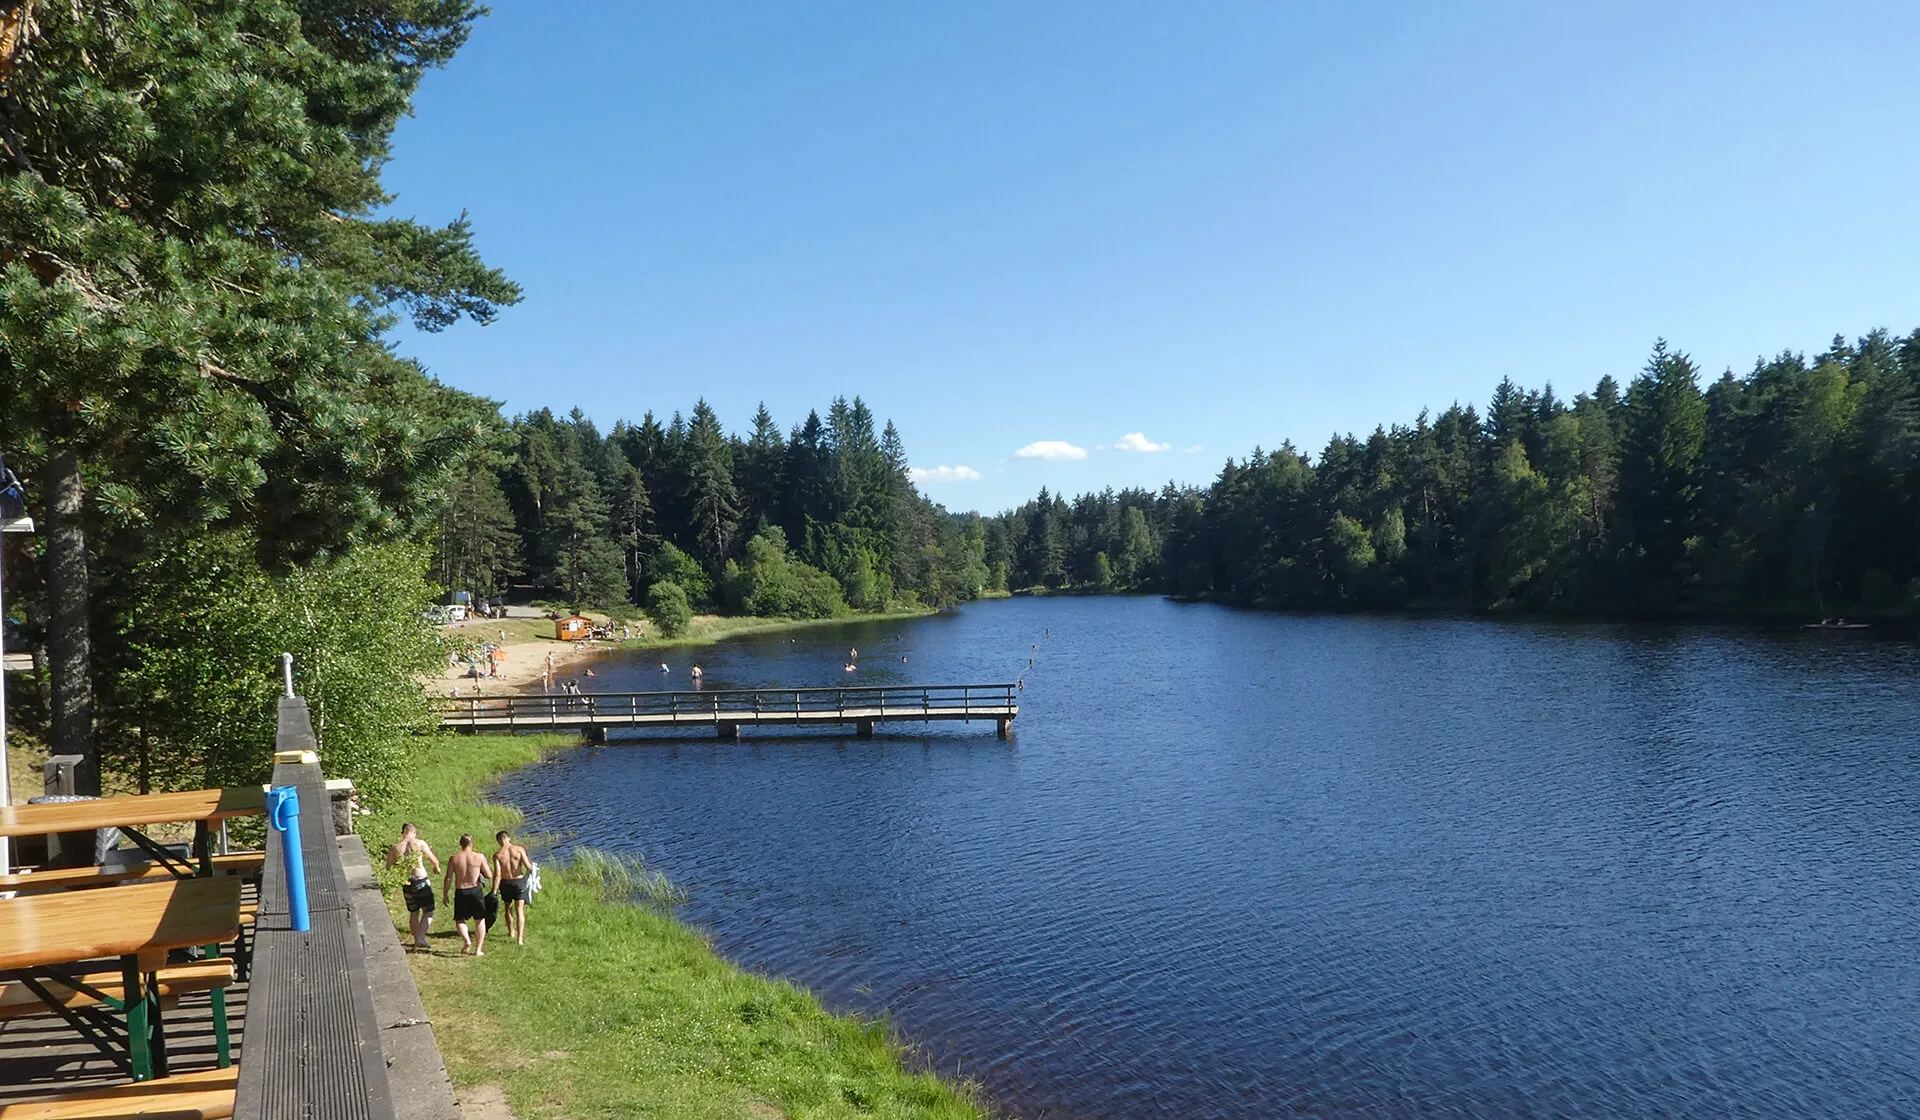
{"x":613,"y":1008}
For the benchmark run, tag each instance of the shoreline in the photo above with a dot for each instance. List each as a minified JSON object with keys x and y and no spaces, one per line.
{"x":615,"y":1006}
{"x":529,"y":640}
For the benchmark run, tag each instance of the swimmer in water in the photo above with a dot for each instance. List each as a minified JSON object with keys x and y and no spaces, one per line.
{"x":589,"y":672}
{"x":696,"y":671}
{"x":663,"y":667}
{"x":849,"y":667}
{"x":853,"y":655}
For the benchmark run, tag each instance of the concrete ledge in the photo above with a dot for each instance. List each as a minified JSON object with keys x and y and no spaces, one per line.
{"x":415,"y":1069}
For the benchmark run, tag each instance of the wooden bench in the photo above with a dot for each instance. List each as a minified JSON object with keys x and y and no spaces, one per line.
{"x":18,"y":1001}
{"x":74,"y":878}
{"x":206,"y":1095}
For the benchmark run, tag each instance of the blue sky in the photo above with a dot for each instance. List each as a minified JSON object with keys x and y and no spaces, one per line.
{"x":1206,"y":227}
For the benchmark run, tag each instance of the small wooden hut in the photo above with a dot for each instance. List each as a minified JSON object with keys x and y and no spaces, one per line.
{"x":572,"y":628}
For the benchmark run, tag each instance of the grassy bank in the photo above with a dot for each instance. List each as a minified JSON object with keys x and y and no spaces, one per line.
{"x":613,"y":1009}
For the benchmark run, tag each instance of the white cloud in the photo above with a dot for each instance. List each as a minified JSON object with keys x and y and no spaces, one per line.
{"x":1137,"y":441}
{"x":943,"y":474}
{"x":1194,"y":448}
{"x":1052,"y":450}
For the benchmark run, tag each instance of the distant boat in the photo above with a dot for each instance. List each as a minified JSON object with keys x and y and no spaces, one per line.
{"x":1836,"y":624}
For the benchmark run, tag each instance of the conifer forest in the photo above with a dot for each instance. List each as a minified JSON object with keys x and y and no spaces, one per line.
{"x":1789,"y":490}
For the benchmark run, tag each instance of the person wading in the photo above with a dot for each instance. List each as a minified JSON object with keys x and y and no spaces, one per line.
{"x":512,"y":865}
{"x":466,"y":869}
{"x":416,"y":854}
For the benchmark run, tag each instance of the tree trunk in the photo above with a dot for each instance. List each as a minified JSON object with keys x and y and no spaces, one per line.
{"x":69,"y":642}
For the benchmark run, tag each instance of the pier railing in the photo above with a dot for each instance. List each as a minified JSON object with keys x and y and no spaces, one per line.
{"x":735,"y":707}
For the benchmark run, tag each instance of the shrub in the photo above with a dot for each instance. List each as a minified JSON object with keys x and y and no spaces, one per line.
{"x":668,"y":607}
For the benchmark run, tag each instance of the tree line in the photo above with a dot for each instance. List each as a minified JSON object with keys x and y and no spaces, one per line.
{"x":814,"y":522}
{"x":1792,"y":489}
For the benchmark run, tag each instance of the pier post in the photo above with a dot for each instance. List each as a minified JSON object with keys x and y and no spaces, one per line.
{"x":728,"y":730}
{"x":1002,"y":726}
{"x":863,"y":728}
{"x":594,"y":733}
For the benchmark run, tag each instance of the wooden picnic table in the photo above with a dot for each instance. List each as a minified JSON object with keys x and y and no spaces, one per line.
{"x":139,"y":923}
{"x":81,"y":878}
{"x":203,"y":807}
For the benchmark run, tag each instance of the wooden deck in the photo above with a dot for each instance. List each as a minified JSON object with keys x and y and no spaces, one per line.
{"x":726,"y":711}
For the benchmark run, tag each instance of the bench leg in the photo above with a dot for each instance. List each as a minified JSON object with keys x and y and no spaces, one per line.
{"x":243,"y":952}
{"x":218,"y":997}
{"x":139,"y":1049}
{"x":203,"y":848}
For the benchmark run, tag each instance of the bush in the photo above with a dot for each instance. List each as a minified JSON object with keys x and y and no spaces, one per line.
{"x":668,"y":607}
{"x":774,"y":584}
{"x":674,"y":566}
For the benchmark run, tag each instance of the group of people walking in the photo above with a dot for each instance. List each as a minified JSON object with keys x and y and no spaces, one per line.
{"x":467,"y":878}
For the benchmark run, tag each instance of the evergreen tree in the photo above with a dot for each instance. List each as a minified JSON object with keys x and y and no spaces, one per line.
{"x":476,"y":548}
{"x":710,"y":501}
{"x":1666,"y":428}
{"x":195,"y":286}
{"x":587,"y":566}
{"x":763,"y":471}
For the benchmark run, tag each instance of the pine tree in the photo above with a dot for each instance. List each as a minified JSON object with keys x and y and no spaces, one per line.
{"x":710,"y":501}
{"x":1666,"y":429}
{"x":762,"y":471}
{"x":476,"y":548}
{"x":588,"y":568}
{"x":195,"y":286}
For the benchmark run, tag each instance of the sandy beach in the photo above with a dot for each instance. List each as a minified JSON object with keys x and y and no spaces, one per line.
{"x":526,"y":638}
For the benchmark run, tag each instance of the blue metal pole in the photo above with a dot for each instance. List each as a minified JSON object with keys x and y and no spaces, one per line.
{"x":283,"y":811}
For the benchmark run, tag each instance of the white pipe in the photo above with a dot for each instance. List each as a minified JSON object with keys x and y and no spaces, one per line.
{"x":6,"y":768}
{"x":19,"y":525}
{"x":286,"y":668}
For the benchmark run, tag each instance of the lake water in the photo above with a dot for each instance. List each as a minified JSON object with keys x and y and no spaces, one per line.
{"x":1251,"y":865}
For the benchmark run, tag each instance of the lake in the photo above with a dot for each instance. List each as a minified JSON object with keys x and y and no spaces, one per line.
{"x":1238,"y":864}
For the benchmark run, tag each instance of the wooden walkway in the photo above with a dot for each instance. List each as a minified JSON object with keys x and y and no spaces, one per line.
{"x":726,"y":711}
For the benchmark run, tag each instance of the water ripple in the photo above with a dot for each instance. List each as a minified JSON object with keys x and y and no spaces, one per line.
{"x":1255,"y":865}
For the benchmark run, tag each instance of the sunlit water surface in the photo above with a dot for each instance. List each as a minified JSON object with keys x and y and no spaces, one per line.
{"x":1244,"y":864}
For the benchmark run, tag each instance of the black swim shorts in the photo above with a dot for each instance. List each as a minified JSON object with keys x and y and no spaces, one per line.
{"x":469,"y":903}
{"x":419,"y":894}
{"x":513,"y":890}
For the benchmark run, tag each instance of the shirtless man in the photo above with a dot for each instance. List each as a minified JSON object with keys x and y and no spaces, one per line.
{"x":512,"y":865}
{"x":416,"y":854}
{"x":465,"y":870}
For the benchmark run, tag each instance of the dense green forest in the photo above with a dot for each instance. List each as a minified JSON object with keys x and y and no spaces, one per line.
{"x":1793,"y":489}
{"x":812,"y":523}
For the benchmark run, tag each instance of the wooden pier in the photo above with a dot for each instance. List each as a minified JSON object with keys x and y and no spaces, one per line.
{"x":727,"y":710}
